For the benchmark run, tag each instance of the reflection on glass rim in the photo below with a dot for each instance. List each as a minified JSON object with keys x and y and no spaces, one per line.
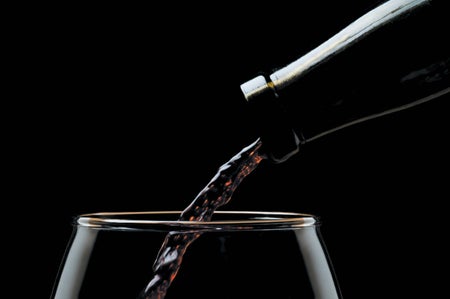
{"x":222,"y":220}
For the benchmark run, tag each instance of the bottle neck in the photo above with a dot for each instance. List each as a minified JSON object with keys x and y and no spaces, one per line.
{"x":402,"y":62}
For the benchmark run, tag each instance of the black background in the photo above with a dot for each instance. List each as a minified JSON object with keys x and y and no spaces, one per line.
{"x":135,"y":108}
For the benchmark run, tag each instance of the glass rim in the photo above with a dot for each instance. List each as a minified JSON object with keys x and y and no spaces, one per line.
{"x":224,"y":220}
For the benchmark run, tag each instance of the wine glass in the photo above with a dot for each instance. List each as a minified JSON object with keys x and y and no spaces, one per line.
{"x":237,"y":254}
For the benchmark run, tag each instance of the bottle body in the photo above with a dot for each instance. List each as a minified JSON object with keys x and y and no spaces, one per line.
{"x":390,"y":59}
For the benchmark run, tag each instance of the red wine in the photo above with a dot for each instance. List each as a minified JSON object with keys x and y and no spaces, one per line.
{"x":339,"y":83}
{"x":217,"y":193}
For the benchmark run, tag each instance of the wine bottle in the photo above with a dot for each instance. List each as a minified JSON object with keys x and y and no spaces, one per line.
{"x":393,"y":57}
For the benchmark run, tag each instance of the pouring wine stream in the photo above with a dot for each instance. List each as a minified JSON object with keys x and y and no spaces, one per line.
{"x":217,"y":193}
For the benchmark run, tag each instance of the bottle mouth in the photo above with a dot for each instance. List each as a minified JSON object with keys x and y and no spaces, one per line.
{"x":221,"y":221}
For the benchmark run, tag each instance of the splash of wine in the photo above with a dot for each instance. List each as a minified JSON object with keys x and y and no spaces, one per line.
{"x":217,"y":193}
